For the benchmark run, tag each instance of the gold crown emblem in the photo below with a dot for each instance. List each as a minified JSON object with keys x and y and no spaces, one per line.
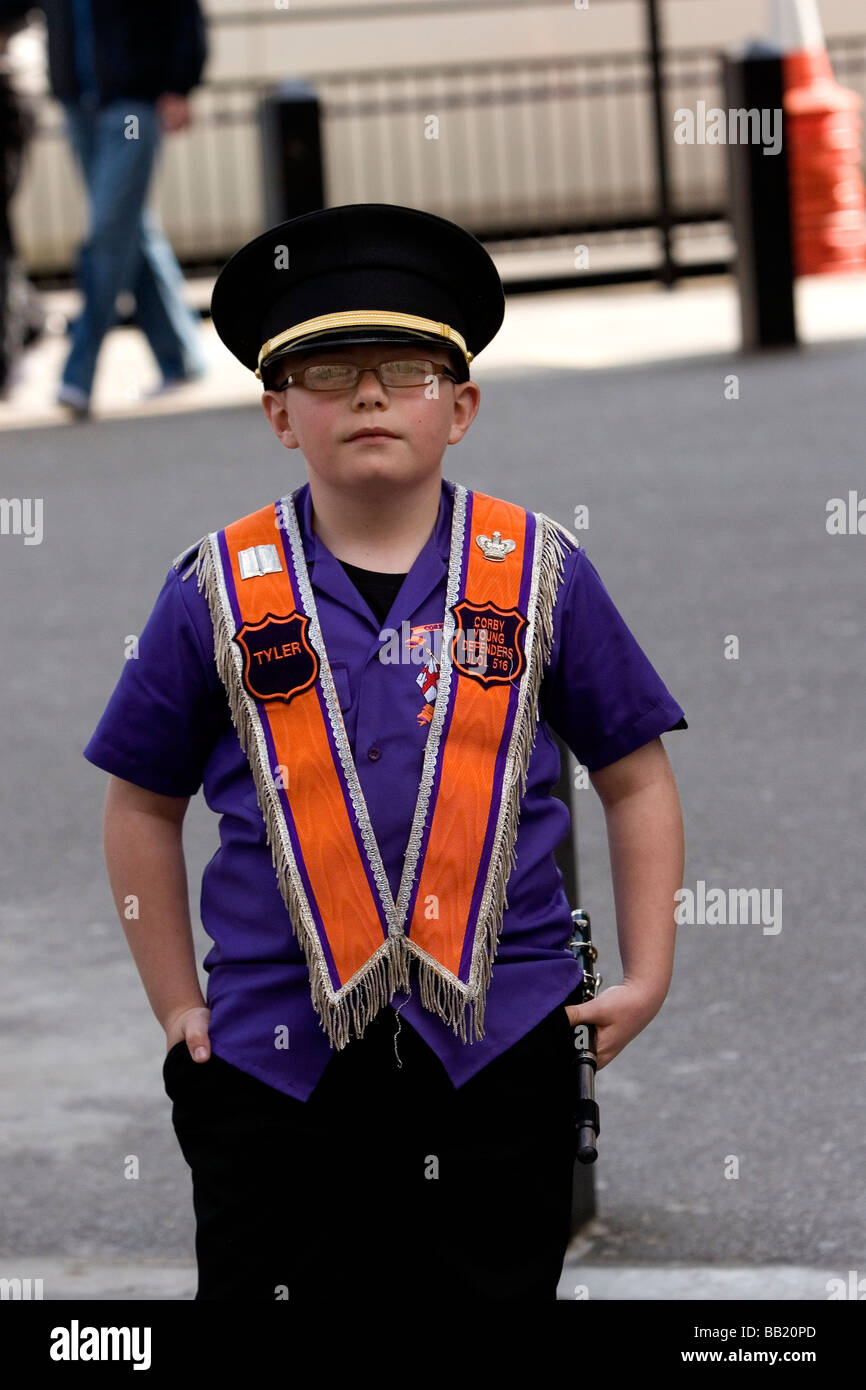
{"x":494,"y":547}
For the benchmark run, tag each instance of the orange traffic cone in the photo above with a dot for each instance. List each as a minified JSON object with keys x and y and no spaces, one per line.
{"x":822,"y":125}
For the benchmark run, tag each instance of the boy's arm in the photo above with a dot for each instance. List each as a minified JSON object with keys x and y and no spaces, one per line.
{"x":143,"y":836}
{"x":647,"y":856}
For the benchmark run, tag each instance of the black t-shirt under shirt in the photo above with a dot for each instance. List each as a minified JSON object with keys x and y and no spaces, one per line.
{"x":379,"y":590}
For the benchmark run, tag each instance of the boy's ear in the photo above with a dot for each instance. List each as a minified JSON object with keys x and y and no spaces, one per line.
{"x":273,"y":404}
{"x":465,"y":409}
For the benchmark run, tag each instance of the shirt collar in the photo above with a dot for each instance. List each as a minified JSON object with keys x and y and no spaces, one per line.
{"x":328,"y":575}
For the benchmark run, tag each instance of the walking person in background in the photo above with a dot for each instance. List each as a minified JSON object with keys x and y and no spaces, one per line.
{"x":123,"y":74}
{"x":22,"y":317}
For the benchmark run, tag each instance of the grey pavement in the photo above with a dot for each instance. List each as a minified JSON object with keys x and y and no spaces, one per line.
{"x":115,"y":1280}
{"x":707,"y":518}
{"x":592,"y":329}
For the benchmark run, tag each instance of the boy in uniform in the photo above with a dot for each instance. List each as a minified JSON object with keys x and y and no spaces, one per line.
{"x":360,"y":675}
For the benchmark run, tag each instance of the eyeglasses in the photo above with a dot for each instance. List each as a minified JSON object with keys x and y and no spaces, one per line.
{"x":341,"y":376}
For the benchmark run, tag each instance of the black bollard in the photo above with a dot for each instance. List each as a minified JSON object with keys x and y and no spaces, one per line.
{"x":291,"y":152}
{"x":760,"y":206}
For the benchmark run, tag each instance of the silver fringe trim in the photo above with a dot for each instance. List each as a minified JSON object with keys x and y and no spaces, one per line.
{"x":187,"y":557}
{"x":387,"y":970}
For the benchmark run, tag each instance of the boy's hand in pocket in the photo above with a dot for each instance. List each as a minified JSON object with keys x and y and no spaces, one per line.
{"x":190,"y":1025}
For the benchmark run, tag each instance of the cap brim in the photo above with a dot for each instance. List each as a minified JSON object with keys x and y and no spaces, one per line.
{"x":277,"y":364}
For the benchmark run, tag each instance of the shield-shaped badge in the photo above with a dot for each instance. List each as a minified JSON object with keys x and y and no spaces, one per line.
{"x":278,"y":659}
{"x":488,"y":642}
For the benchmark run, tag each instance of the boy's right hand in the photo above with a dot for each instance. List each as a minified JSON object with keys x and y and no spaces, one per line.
{"x":191,"y":1025}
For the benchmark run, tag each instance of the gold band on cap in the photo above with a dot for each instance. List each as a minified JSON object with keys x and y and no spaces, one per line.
{"x":361,"y":318}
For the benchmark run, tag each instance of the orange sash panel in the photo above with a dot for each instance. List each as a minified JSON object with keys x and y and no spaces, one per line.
{"x":325,"y":833}
{"x":465,"y":801}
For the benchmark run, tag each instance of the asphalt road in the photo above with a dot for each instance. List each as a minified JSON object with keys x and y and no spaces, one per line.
{"x":706,"y":518}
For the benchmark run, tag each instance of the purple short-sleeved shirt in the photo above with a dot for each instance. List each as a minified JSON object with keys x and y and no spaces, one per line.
{"x":167,"y":728}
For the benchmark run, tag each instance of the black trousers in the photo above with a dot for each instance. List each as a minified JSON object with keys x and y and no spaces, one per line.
{"x":387,"y":1181}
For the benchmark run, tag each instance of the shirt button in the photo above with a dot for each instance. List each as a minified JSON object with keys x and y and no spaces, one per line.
{"x":374,"y":754}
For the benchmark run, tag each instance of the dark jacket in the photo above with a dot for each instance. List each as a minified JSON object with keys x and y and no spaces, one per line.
{"x":142,"y":48}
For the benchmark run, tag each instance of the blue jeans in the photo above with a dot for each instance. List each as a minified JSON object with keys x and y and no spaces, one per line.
{"x":125,"y":248}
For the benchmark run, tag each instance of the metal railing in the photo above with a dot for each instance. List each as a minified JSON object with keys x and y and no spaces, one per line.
{"x":554,"y":150}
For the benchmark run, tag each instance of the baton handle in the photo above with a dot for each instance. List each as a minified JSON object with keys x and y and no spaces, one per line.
{"x":586,"y":1108}
{"x":586,"y":1116}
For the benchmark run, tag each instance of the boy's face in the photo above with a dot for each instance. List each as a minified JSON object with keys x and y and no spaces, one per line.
{"x":421,"y":424}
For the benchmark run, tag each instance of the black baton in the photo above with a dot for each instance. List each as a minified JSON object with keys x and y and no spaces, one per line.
{"x":586,"y":1117}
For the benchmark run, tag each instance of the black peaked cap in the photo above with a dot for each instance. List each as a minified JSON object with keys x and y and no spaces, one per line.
{"x":359,"y":257}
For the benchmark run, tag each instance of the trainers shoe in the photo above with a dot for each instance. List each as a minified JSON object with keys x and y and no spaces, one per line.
{"x":74,"y":400}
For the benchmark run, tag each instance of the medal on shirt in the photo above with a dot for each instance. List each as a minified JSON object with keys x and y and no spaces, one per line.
{"x":504,"y":571}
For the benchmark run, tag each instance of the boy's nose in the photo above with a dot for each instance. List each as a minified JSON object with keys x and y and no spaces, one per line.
{"x":362,"y":376}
